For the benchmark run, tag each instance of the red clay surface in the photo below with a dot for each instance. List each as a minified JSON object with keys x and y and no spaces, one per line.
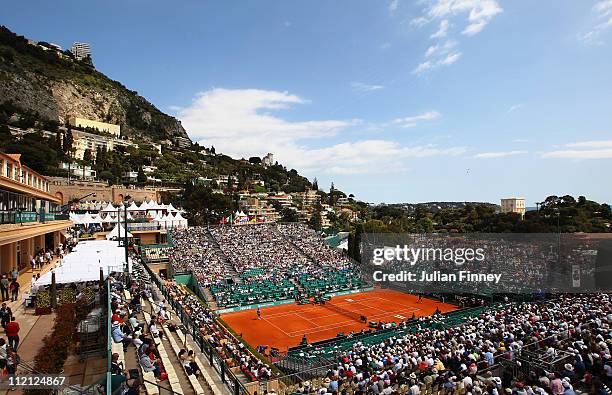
{"x":283,"y":326}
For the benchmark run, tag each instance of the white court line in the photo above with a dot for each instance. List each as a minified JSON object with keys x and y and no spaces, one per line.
{"x":316,"y":307}
{"x":322,"y":328}
{"x":281,"y":330}
{"x":307,"y":319}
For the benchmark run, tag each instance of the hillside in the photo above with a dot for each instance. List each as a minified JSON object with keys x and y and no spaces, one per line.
{"x":55,"y":86}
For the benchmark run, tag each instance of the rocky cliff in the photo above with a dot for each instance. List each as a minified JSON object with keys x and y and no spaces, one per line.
{"x":56,"y":86}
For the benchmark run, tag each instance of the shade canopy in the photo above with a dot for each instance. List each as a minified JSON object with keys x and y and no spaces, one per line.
{"x":84,"y":263}
{"x":109,"y":208}
{"x":117,"y":232}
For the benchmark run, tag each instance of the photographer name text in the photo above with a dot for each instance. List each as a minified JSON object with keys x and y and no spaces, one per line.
{"x":437,"y":277}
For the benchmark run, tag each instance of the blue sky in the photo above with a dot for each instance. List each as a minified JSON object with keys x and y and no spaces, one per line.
{"x":394,"y":101}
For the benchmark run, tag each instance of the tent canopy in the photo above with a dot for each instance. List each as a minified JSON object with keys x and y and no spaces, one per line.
{"x":85,"y":261}
{"x":117,"y":232}
{"x":109,"y":208}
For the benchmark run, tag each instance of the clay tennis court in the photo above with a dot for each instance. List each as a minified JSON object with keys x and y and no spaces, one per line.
{"x":283,"y":326}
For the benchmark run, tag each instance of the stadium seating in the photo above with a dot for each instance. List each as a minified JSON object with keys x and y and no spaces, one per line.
{"x":249,"y":265}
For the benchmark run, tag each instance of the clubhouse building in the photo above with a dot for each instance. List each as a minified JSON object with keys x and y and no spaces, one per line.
{"x":30,"y":217}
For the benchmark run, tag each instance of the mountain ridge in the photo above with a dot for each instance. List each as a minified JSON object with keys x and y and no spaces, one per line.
{"x":56,"y":86}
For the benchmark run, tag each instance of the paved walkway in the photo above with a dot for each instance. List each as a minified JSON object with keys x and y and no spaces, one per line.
{"x":33,"y":328}
{"x":26,"y":318}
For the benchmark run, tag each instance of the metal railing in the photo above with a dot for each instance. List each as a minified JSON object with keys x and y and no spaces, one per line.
{"x":215,"y":360}
{"x":24,"y":217}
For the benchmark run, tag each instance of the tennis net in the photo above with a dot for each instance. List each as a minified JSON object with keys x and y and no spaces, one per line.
{"x":348,"y":313}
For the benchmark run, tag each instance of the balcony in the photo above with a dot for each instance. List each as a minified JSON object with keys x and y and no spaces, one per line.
{"x":25,"y":217}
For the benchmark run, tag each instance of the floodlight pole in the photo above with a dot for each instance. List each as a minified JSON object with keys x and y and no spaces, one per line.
{"x":125,"y":240}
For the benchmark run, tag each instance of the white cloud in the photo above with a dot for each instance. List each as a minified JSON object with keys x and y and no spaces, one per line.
{"x":442,"y":30}
{"x":366,"y":156}
{"x":393,"y":4}
{"x":410,"y":122}
{"x":431,"y":50}
{"x":591,"y":144}
{"x":386,"y":45}
{"x":450,"y":59}
{"x":580,"y":154}
{"x":423,"y":67}
{"x":474,"y":28}
{"x":479,"y":14}
{"x":419,"y":22}
{"x":245,"y":122}
{"x":603,"y":22}
{"x":444,"y":60}
{"x":501,"y":154}
{"x":597,"y":149}
{"x":515,"y":107}
{"x":363,"y":87}
{"x":520,"y":141}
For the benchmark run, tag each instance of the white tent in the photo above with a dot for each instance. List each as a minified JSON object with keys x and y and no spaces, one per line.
{"x":155,"y":208}
{"x":144,"y":206}
{"x":152,"y":205}
{"x":85,"y":261}
{"x":117,"y":232}
{"x":170,"y":208}
{"x":96,"y":219}
{"x":109,"y":209}
{"x":133,"y":207}
{"x":169,"y":221}
{"x":108,"y":219}
{"x":87,"y":219}
{"x":180,"y":221}
{"x":166,"y":221}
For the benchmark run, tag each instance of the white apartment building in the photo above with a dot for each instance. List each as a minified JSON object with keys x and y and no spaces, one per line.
{"x":83,"y":141}
{"x":267,"y":160}
{"x":81,"y":50}
{"x":513,"y":205}
{"x":78,"y":171}
{"x":100,"y":126}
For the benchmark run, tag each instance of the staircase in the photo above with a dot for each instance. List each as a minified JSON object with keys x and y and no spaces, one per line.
{"x":178,"y":382}
{"x":295,"y":246}
{"x":227,"y":264}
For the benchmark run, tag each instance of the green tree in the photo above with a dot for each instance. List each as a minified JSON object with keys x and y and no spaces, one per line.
{"x":426,"y":225}
{"x":355,"y":247}
{"x":141,"y":177}
{"x":67,"y":147}
{"x":289,"y":215}
{"x":315,"y":219}
{"x":87,"y":157}
{"x":6,"y":138}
